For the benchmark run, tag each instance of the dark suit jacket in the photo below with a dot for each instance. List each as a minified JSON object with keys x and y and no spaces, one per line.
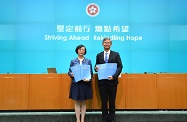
{"x":114,"y":57}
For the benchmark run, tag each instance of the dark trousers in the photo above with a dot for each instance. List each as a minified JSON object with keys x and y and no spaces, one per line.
{"x":108,"y":94}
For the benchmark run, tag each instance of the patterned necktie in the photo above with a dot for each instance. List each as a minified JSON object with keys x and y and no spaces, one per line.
{"x":106,"y":57}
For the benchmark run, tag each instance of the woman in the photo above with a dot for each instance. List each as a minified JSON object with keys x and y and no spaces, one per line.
{"x":80,"y":91}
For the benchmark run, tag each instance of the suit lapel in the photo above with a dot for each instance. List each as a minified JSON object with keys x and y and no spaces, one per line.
{"x":110,"y":56}
{"x":102,"y":54}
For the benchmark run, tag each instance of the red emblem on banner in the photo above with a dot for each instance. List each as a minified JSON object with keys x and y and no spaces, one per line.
{"x":92,"y":9}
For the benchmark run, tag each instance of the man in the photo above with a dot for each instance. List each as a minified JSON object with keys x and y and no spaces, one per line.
{"x":108,"y":87}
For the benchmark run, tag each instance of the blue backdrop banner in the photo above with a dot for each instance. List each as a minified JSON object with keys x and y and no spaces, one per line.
{"x":150,"y":35}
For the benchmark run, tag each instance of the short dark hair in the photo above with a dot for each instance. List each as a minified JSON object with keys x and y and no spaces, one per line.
{"x":79,"y":47}
{"x":106,"y":38}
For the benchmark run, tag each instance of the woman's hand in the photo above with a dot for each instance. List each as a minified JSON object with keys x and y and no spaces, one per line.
{"x":72,"y":75}
{"x":96,"y":68}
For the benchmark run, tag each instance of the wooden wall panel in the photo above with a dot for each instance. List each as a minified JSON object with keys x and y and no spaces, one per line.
{"x":141,"y":91}
{"x":51,"y":91}
{"x":172,"y":91}
{"x":120,"y":97}
{"x":14,"y":89}
{"x":45,"y":91}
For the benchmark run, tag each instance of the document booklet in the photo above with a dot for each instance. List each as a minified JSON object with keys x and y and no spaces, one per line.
{"x":107,"y":69}
{"x":81,"y":72}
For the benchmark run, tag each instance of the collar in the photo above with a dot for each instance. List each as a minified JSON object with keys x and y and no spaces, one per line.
{"x":107,"y":52}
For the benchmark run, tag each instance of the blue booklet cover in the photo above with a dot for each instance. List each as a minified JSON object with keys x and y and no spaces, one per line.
{"x":85,"y":72}
{"x":80,"y":72}
{"x":107,"y":69}
{"x":76,"y":71}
